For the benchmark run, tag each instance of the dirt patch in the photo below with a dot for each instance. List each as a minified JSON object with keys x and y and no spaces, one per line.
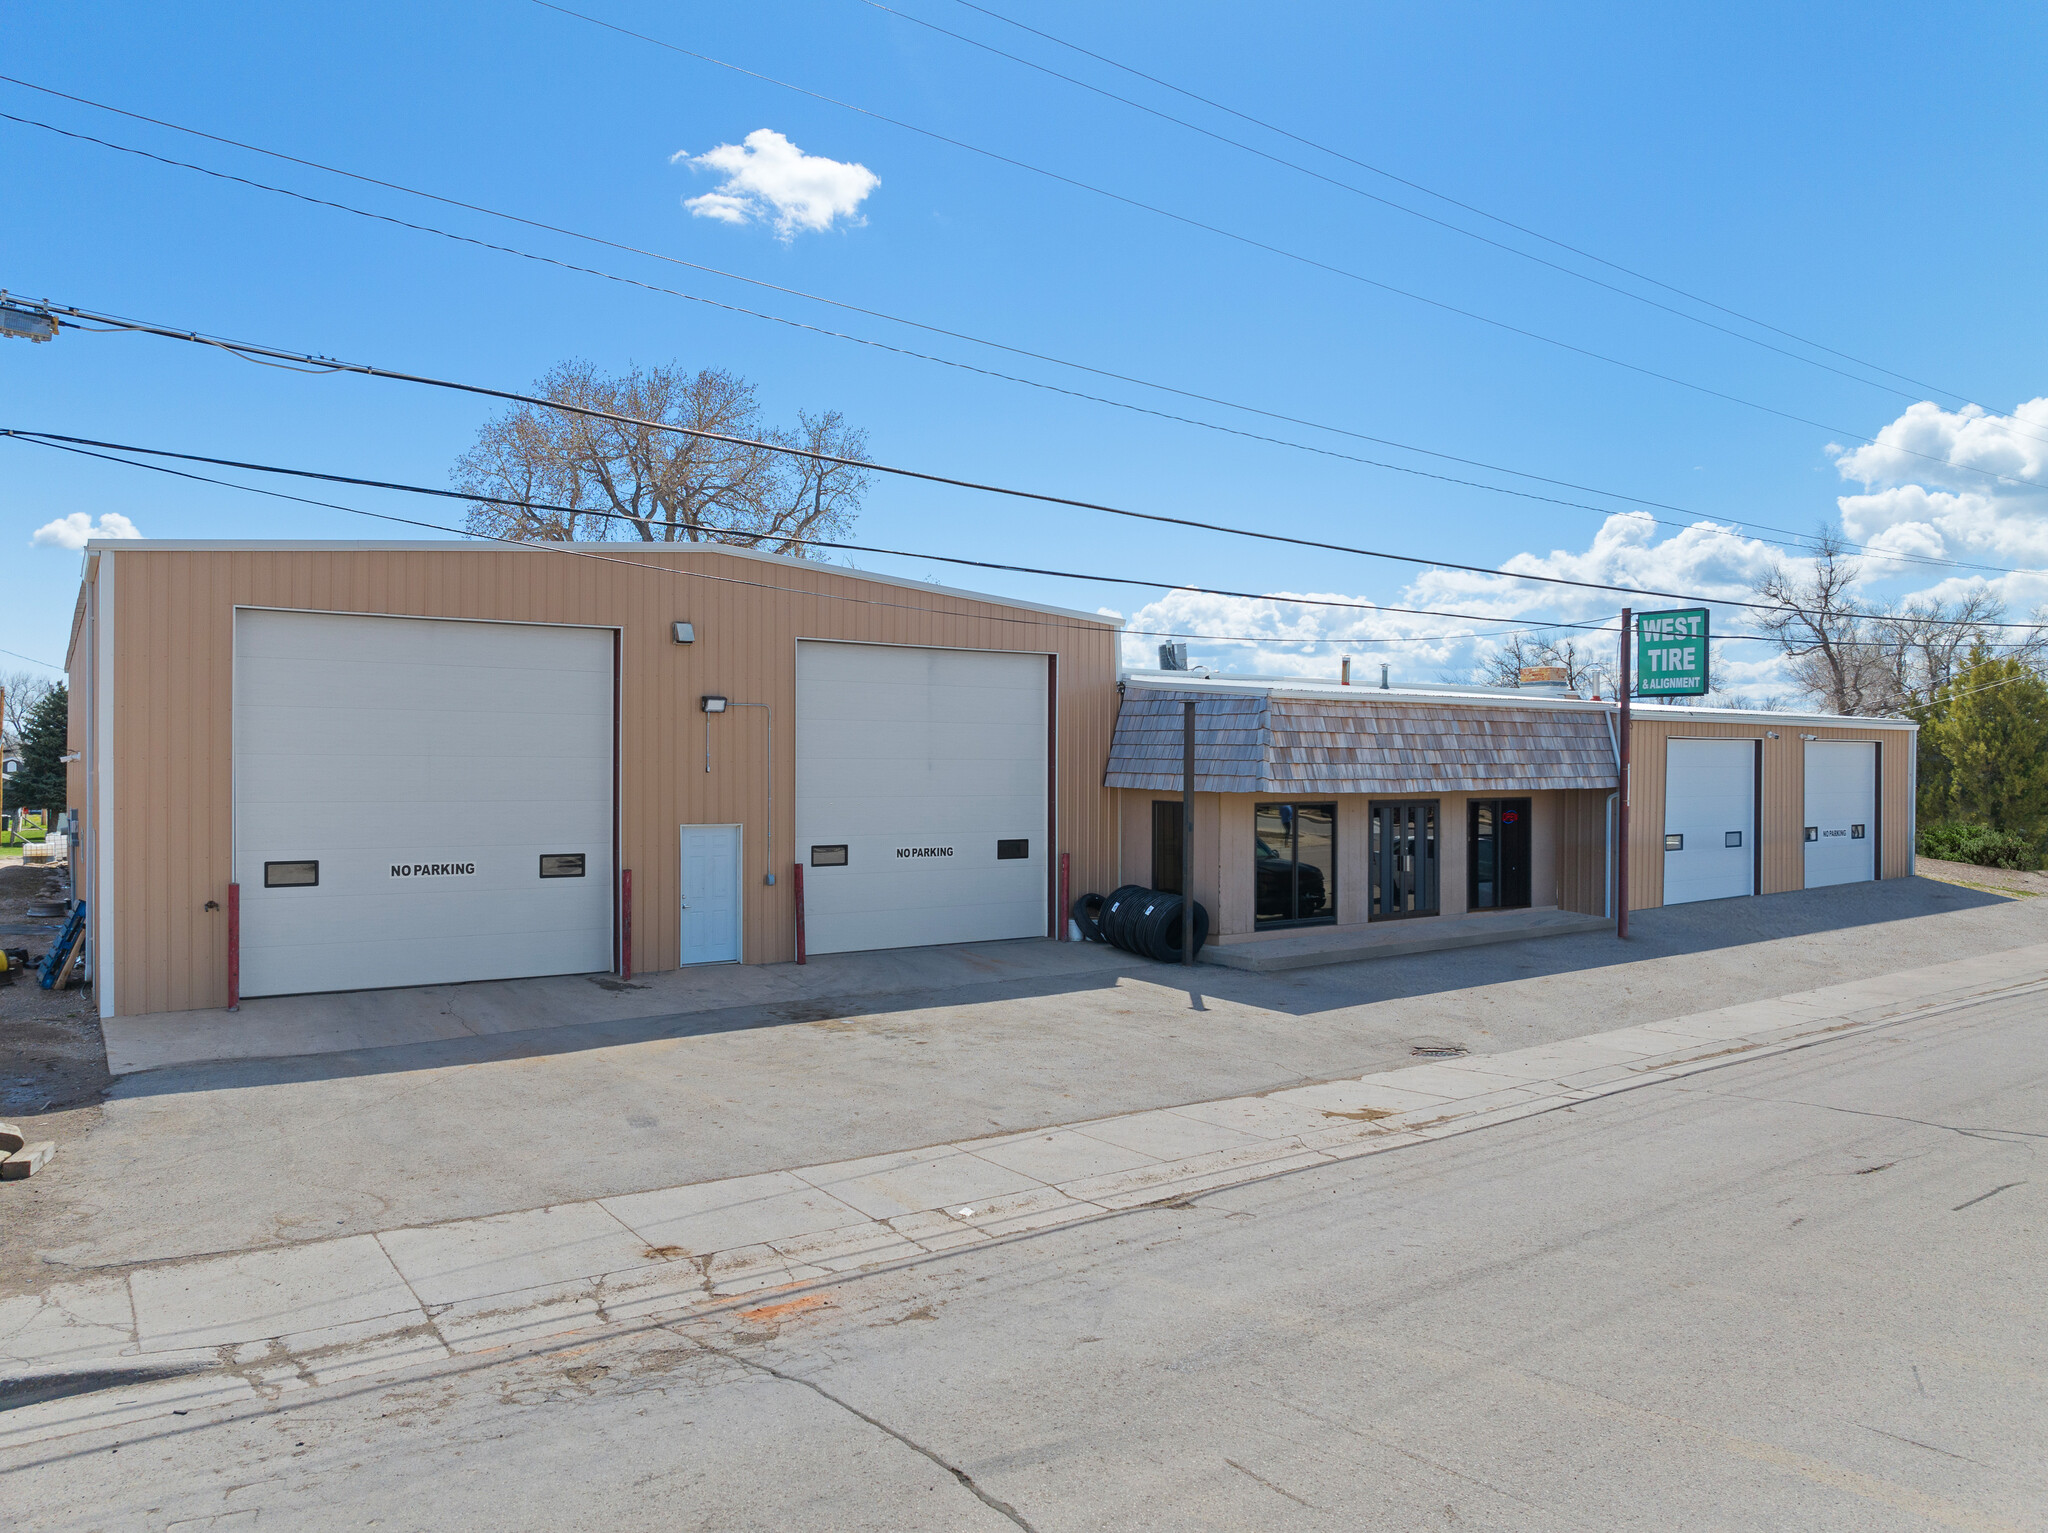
{"x":53,"y":1069}
{"x":1970,"y":876}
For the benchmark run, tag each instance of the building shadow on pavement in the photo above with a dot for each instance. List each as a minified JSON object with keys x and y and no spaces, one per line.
{"x":1860,"y":914}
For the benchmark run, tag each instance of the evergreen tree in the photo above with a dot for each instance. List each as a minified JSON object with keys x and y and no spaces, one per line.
{"x":40,"y":782}
{"x":1990,"y":730}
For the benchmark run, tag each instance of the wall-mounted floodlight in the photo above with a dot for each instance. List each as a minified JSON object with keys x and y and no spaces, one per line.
{"x":1770,"y":734}
{"x":714,"y":705}
{"x":686,"y":633}
{"x":1809,"y":737}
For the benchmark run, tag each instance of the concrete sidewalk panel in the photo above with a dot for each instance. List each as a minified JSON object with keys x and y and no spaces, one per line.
{"x":950,"y":1180}
{"x":327,"y":1292}
{"x":1166,"y":1135}
{"x":738,"y":1211}
{"x":476,"y":1259}
{"x":72,"y":1322}
{"x":1061,"y":1156}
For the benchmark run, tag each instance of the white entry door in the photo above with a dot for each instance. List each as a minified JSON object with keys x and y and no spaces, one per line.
{"x":711,"y":894}
{"x":921,"y":778}
{"x":1841,"y":812}
{"x":1709,"y":820}
{"x":420,"y":801}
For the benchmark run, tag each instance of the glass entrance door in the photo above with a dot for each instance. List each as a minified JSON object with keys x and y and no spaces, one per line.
{"x":1497,"y":856}
{"x":1404,"y":860}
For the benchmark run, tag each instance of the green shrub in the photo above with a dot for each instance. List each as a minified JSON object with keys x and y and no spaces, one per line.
{"x":1954,"y":841}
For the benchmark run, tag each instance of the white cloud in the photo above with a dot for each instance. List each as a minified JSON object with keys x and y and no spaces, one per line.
{"x":769,"y":180}
{"x":1920,"y":496}
{"x":74,"y":530}
{"x":1703,"y":559}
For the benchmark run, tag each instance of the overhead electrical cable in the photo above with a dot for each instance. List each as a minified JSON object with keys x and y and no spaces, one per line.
{"x":1634,"y":504}
{"x":1401,"y":207}
{"x":69,"y":444}
{"x":255,"y":351}
{"x":1505,"y":223}
{"x":1256,"y":243}
{"x":53,"y":438}
{"x":712,"y":544}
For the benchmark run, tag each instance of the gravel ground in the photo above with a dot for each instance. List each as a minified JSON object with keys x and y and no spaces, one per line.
{"x":53,"y":1064}
{"x":1968,"y":874}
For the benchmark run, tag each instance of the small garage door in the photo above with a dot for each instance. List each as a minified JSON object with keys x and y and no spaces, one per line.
{"x":1709,"y":820}
{"x":1841,"y":812}
{"x":921,"y":782}
{"x":420,"y":802}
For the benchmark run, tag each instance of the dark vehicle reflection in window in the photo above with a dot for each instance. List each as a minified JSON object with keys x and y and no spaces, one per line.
{"x":1294,"y":855}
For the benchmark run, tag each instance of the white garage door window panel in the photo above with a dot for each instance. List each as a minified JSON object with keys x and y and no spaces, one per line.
{"x":908,"y":749}
{"x":369,"y":742}
{"x":1841,"y":794}
{"x":1709,"y":794}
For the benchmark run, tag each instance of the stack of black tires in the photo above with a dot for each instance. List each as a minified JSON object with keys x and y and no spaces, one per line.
{"x":1139,"y":920}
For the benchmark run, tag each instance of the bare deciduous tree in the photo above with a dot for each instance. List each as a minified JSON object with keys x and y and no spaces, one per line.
{"x":1879,"y":658}
{"x":23,"y":690}
{"x":618,"y":481}
{"x":1586,"y":670}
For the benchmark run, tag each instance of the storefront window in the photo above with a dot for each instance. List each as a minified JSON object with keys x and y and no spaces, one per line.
{"x":1294,"y":850}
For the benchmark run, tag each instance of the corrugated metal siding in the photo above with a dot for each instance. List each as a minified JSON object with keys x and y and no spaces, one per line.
{"x":174,"y":694}
{"x":1307,"y":745}
{"x":1781,"y":808}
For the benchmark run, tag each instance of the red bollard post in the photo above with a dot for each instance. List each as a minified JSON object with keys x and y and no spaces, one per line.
{"x":626,"y":925}
{"x":799,"y":912}
{"x":1066,"y":899}
{"x":234,"y":947}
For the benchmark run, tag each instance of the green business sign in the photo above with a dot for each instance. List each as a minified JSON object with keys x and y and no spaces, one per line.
{"x":1671,"y":653}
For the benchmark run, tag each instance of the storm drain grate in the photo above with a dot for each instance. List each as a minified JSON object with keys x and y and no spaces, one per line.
{"x":1437,"y":1048}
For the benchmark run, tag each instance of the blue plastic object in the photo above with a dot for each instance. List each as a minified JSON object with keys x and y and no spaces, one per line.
{"x":52,"y":967}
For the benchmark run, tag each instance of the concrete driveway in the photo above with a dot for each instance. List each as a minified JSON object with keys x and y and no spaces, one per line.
{"x":834,"y":1062}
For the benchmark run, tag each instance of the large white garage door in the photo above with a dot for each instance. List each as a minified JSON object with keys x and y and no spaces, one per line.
{"x":920,"y":795}
{"x":420,"y":802}
{"x":1841,"y":812}
{"x":1709,"y":820}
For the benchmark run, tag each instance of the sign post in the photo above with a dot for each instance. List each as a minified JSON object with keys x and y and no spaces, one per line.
{"x":1621,"y":804}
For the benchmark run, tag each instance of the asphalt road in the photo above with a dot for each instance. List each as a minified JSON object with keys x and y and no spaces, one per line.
{"x":1802,"y":1292}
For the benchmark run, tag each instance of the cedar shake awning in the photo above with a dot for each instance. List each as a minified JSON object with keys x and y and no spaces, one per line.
{"x":1271,"y":742}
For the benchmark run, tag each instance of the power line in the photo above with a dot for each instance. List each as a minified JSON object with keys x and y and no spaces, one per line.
{"x":256,"y":351}
{"x":1276,"y":640}
{"x":1259,"y":244}
{"x":64,"y":442}
{"x":1400,"y":207}
{"x":1505,"y":223}
{"x":1797,"y":539}
{"x":32,"y":660}
{"x":1599,"y":625}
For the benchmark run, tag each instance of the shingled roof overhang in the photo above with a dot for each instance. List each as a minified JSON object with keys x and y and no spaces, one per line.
{"x":1251,"y":742}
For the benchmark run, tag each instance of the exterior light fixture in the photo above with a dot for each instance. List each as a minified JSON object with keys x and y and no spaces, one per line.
{"x":1770,"y":734}
{"x":1809,"y":737}
{"x":25,"y":324}
{"x":686,"y":633}
{"x":714,"y":705}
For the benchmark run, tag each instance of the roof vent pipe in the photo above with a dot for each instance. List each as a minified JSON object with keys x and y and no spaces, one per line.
{"x":1344,"y":677}
{"x":1383,"y":675}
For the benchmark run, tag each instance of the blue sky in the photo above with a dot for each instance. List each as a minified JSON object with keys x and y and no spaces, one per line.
{"x":1867,"y":177}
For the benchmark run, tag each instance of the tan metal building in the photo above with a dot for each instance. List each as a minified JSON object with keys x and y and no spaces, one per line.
{"x":426,"y":762}
{"x":1328,"y":805}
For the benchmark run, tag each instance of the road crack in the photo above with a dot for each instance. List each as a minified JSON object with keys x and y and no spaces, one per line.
{"x":993,"y":1503}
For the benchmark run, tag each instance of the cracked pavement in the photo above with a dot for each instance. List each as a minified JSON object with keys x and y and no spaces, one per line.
{"x":1781,"y":1294}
